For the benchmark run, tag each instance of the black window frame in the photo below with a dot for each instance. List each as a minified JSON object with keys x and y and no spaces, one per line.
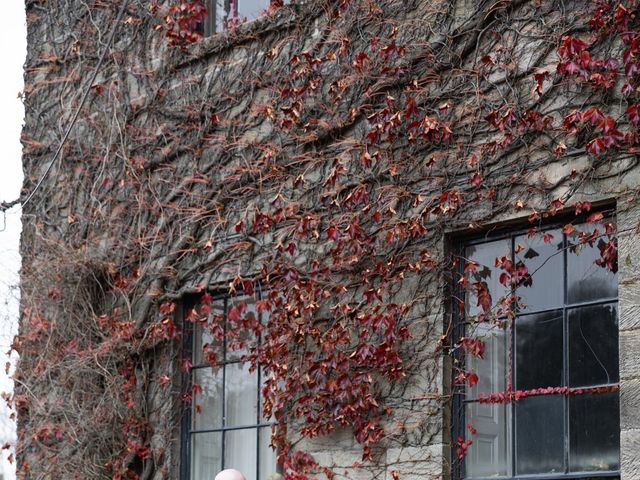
{"x":458,"y":329}
{"x":188,"y":352}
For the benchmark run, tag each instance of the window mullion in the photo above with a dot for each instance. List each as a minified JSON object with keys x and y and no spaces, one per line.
{"x":458,"y":419}
{"x":511,"y":373}
{"x":565,"y":347}
{"x":224,"y":378}
{"x":258,"y":405}
{"x":258,"y":454}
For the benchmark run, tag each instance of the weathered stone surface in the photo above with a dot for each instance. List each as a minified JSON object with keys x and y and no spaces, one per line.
{"x":630,"y":454}
{"x":630,"y":354}
{"x":340,"y":440}
{"x":347,"y":464}
{"x":628,"y":215}
{"x":630,"y":404}
{"x":417,"y":463}
{"x":183,"y":145}
{"x":629,"y":302}
{"x":629,"y":254}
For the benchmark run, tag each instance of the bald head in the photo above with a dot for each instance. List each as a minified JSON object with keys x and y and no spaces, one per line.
{"x":230,"y":474}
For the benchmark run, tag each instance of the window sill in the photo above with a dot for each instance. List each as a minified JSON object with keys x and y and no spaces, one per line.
{"x":555,"y":476}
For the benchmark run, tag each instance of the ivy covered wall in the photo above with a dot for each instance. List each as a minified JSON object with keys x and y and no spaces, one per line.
{"x":329,"y":152}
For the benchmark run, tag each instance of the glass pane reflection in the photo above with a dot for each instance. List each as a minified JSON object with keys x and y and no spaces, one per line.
{"x":540,"y":434}
{"x":593,"y":345}
{"x":207,"y":406}
{"x":204,"y":334}
{"x":587,"y":281}
{"x":485,"y":255}
{"x":268,"y":463}
{"x":539,"y":349}
{"x":492,"y":368}
{"x":240,"y":448}
{"x":206,"y":453}
{"x":241,"y":395}
{"x":251,"y":9}
{"x":594,"y":423}
{"x":489,"y":454}
{"x":241,"y":334}
{"x":545,"y":262}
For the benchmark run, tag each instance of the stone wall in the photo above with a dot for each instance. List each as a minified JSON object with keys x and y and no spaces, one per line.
{"x":629,"y":304}
{"x":190,"y":166}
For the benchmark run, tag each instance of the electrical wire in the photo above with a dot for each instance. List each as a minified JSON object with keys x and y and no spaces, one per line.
{"x":6,"y":205}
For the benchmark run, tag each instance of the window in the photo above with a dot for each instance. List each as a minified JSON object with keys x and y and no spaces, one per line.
{"x":546,"y":398}
{"x":223,"y":13}
{"x":223,"y":426}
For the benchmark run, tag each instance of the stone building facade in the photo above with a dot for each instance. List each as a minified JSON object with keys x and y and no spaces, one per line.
{"x":315,"y":188}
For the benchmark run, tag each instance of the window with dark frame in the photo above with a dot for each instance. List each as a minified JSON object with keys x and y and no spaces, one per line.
{"x":224,"y":13}
{"x":555,"y":360}
{"x":222,"y":425}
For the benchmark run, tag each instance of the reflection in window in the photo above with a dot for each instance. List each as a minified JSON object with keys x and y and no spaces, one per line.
{"x":561,"y":332}
{"x":539,"y":350}
{"x":222,"y":14}
{"x":484,"y":255}
{"x":542,"y":254}
{"x":490,"y":456}
{"x":595,"y":432}
{"x":540,"y":435}
{"x":593,"y":345}
{"x":224,"y":427}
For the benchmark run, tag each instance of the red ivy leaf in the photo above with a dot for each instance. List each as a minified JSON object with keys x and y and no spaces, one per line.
{"x":594,"y":217}
{"x":596,"y":146}
{"x":186,"y":365}
{"x":593,"y":116}
{"x":476,"y":180}
{"x":582,"y":207}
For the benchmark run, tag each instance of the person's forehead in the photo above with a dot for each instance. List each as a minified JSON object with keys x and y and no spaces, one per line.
{"x":230,"y":474}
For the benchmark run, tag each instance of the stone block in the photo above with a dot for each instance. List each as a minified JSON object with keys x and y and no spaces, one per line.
{"x":347,"y":464}
{"x":628,"y":216}
{"x":630,"y":454}
{"x":629,"y":303}
{"x":416,"y":463}
{"x":630,"y":404}
{"x":339,"y":440}
{"x":630,"y":354}
{"x":629,"y":254}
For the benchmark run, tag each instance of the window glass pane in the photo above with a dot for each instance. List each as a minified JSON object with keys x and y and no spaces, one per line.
{"x":240,"y":447}
{"x":539,"y":350}
{"x":268,"y":469}
{"x":488,"y":455}
{"x":242,"y":318}
{"x":209,"y":335}
{"x":251,"y":8}
{"x":492,"y":368}
{"x":241,"y":395}
{"x":221,"y":9}
{"x":545,"y":264}
{"x":207,"y":406}
{"x":485,"y":255}
{"x":540,"y":434}
{"x":594,"y":422}
{"x":585,"y":280}
{"x":206,"y":455}
{"x":593,"y":345}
